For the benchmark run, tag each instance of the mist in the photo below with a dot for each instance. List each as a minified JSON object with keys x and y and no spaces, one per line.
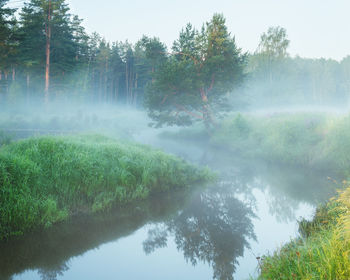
{"x":194,"y":160}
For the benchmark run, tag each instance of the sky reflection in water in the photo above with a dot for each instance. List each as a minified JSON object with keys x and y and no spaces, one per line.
{"x":208,"y":232}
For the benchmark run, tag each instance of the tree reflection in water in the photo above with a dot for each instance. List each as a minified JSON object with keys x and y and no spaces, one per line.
{"x":52,"y":274}
{"x":214,"y":227}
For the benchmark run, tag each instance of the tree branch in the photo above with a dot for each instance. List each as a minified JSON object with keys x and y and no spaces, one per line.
{"x":166,"y":97}
{"x":182,"y":108}
{"x":212,"y":82}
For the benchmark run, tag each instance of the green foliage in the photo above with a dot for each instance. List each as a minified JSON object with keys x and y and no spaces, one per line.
{"x":287,"y":82}
{"x":43,"y":180}
{"x":307,"y":139}
{"x":235,"y":133}
{"x":323,"y":254}
{"x":274,"y":43}
{"x":337,"y":146}
{"x":193,"y":83}
{"x":7,"y":37}
{"x":5,"y":138}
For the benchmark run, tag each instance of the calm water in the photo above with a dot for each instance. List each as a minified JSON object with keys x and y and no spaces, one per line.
{"x":206,"y":232}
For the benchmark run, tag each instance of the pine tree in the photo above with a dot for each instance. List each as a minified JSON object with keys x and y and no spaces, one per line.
{"x":52,"y":42}
{"x":194,"y":82}
{"x":8,"y":45}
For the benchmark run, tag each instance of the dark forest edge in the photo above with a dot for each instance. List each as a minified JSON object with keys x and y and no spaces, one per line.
{"x":47,"y":179}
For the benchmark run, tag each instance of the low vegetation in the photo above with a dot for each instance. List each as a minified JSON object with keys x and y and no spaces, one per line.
{"x":311,"y":140}
{"x":45,"y":180}
{"x":322,"y":253}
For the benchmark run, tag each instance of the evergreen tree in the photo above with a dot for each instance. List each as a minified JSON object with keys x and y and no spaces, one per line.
{"x":194,"y":82}
{"x":67,"y":42}
{"x":8,"y":44}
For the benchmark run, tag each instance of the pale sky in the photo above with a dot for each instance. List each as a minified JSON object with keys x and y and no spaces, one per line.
{"x":316,"y":28}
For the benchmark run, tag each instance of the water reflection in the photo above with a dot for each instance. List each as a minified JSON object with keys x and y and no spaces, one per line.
{"x":286,"y":186}
{"x":49,"y":251}
{"x":214,"y":227}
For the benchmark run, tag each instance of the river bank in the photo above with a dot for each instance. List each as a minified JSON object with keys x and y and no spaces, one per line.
{"x":313,"y":141}
{"x":48,"y":179}
{"x":322,"y":251}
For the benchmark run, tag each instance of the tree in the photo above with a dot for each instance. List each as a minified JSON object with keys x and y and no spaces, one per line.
{"x":213,"y":227}
{"x":155,"y":51}
{"x":150,"y":53}
{"x":272,"y":50}
{"x":274,"y":42}
{"x":194,"y":81}
{"x":51,"y":41}
{"x":8,"y":43}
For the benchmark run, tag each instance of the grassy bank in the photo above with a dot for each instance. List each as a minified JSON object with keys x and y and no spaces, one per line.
{"x":322,"y":253}
{"x":309,"y":140}
{"x":305,"y":139}
{"x":45,"y":180}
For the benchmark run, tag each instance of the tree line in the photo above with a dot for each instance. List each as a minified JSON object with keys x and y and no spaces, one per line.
{"x":277,"y":79}
{"x":45,"y":51}
{"x":46,"y":54}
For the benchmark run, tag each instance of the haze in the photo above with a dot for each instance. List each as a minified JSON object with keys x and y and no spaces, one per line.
{"x":135,"y":145}
{"x":315,"y":28}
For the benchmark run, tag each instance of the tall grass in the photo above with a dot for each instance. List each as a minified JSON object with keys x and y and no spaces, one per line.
{"x":323,"y":253}
{"x":44,"y":180}
{"x":5,"y":138}
{"x":306,"y":139}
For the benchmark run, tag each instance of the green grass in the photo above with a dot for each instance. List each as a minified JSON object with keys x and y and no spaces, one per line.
{"x":45,"y":180}
{"x":5,"y":138}
{"x":323,"y":253}
{"x":308,"y":140}
{"x":311,"y":140}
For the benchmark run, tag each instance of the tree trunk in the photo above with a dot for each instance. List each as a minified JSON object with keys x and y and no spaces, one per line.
{"x":207,"y":117}
{"x":100,"y":88}
{"x":27,"y":84}
{"x":135,"y":92}
{"x":127,"y":82}
{"x":105,"y":81}
{"x":6,"y":82}
{"x":117,"y":90}
{"x":131,"y":85}
{"x":48,"y":43}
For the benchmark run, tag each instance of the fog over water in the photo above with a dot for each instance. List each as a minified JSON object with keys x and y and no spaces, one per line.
{"x":113,"y":112}
{"x":209,"y":231}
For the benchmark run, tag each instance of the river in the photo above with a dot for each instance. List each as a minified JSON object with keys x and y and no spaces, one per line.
{"x":215,"y":231}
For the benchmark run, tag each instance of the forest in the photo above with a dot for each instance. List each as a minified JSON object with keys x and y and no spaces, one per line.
{"x":46,"y":55}
{"x":199,"y":152}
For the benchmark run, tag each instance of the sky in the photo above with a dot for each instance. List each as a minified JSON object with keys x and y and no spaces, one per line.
{"x":315,"y":28}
